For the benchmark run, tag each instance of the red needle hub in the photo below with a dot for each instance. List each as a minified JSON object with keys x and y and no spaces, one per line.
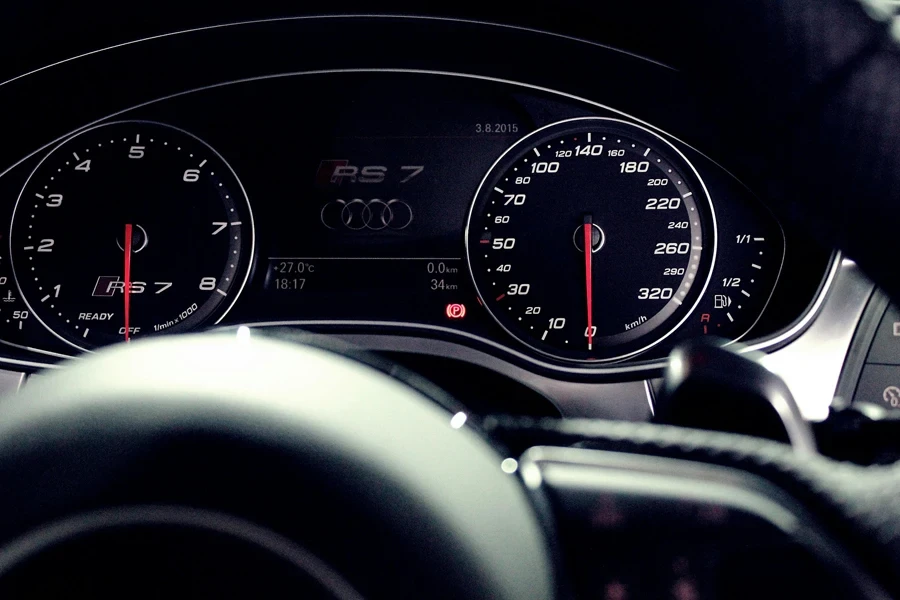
{"x":588,"y":251}
{"x":127,"y":290}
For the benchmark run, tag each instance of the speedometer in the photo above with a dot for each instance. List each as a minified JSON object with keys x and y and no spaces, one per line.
{"x":591,"y":239}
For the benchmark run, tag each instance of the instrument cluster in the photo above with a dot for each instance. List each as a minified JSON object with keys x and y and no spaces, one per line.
{"x":433,"y":206}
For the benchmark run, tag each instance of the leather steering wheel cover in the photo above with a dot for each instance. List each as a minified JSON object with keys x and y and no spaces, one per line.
{"x":215,"y":421}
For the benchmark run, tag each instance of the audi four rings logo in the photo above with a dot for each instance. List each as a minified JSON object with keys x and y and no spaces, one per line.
{"x":373,"y":215}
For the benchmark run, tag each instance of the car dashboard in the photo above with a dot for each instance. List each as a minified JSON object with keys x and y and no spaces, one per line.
{"x":432,"y":208}
{"x":546,"y":238}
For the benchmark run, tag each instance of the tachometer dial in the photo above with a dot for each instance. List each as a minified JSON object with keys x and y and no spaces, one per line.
{"x":128,"y":229}
{"x":591,"y":239}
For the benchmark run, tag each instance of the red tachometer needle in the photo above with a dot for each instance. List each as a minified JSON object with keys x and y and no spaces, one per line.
{"x":127,"y":290}
{"x":588,"y":251}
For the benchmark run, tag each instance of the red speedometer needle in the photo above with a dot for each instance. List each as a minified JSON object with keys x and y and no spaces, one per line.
{"x":127,"y":289}
{"x":588,"y":251}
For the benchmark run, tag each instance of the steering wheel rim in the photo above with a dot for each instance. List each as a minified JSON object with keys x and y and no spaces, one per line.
{"x":219,"y":423}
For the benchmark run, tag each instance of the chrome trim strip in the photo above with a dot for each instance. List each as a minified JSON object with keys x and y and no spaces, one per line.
{"x":30,"y":349}
{"x":811,"y":364}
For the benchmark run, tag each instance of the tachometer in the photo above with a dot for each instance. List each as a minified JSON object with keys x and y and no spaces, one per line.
{"x":591,"y":239}
{"x":127,"y":229}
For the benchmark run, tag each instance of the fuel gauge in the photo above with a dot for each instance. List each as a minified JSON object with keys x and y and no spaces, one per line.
{"x":742,"y":285}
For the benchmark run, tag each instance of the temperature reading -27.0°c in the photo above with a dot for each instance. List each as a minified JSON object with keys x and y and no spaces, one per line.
{"x":167,"y":246}
{"x":591,"y":239}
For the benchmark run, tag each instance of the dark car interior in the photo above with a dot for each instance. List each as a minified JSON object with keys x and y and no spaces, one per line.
{"x":518,"y":301}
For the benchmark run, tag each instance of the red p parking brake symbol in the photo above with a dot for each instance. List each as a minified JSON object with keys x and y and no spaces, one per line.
{"x":108,"y":286}
{"x":455,"y":311}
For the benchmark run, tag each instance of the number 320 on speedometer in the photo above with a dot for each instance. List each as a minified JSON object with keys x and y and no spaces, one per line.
{"x":591,"y":239}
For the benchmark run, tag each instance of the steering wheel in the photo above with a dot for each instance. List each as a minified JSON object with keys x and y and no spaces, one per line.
{"x":230,"y":465}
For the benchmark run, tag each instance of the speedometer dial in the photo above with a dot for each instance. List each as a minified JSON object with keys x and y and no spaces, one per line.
{"x":616,"y":189}
{"x":129,"y":229}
